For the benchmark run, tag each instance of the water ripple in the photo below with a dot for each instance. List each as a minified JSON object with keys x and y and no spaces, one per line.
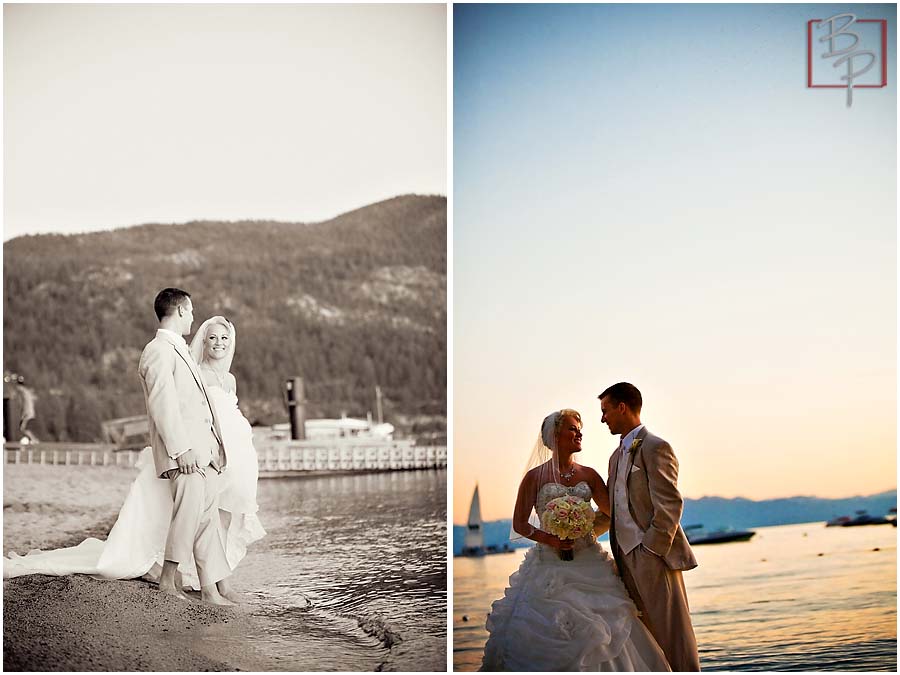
{"x":353,"y":572}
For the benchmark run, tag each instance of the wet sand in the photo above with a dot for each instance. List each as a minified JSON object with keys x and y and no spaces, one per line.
{"x":76,"y":623}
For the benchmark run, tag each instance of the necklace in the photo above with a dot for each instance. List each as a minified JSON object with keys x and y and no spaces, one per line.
{"x":219,"y":378}
{"x":570,"y":473}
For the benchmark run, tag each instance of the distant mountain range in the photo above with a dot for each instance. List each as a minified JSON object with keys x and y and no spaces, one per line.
{"x":347,"y":304}
{"x":738,"y":513}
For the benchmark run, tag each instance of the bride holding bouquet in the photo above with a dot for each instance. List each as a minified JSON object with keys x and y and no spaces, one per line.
{"x":565,"y":608}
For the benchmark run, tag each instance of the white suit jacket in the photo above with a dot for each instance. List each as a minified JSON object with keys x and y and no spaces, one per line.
{"x":181,"y":416}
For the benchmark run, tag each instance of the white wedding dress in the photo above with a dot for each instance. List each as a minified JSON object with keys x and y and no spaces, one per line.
{"x":136,"y":544}
{"x":568,"y":615}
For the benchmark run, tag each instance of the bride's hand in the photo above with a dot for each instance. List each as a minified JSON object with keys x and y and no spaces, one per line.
{"x":560,"y":544}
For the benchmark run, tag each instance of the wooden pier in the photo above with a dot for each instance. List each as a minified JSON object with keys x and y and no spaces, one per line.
{"x":349,"y":454}
{"x":91,"y":454}
{"x":277,"y":458}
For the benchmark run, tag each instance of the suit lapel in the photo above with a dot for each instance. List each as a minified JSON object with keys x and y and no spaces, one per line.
{"x":189,"y":362}
{"x":641,"y":435}
{"x":198,"y":378}
{"x":193,"y":368}
{"x":613,"y":475}
{"x":614,"y":466}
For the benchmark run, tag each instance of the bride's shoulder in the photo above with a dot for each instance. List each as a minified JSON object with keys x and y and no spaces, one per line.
{"x":531,"y":475}
{"x":534,"y":476}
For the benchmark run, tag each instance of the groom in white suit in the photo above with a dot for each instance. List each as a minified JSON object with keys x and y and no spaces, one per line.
{"x":186,"y":449}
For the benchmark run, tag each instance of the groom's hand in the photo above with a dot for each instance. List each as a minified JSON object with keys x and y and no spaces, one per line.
{"x":187,"y":463}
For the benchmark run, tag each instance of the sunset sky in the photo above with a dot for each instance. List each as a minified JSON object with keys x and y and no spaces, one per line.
{"x":652,"y":194}
{"x":118,"y":115}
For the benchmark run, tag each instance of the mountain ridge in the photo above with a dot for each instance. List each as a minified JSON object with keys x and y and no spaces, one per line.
{"x":346,"y":303}
{"x":714,"y":512}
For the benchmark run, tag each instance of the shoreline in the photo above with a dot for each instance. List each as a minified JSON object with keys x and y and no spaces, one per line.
{"x":78,"y":623}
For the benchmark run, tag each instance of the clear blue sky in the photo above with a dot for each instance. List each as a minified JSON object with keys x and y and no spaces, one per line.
{"x":651,"y":193}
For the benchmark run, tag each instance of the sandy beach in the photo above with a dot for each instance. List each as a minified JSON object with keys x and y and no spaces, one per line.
{"x":76,"y":623}
{"x":47,"y":506}
{"x":302,"y":613}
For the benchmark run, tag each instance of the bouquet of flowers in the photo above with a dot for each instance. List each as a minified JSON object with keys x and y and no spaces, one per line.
{"x":568,"y":517}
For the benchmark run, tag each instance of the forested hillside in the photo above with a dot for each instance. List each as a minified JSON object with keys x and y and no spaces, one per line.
{"x":346,"y":304}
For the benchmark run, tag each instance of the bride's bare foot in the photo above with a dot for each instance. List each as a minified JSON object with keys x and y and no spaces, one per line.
{"x":211,"y":596}
{"x":234,"y":596}
{"x":227,"y":592}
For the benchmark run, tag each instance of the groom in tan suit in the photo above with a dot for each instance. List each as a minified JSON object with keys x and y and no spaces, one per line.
{"x":186,"y":449}
{"x":647,"y":541}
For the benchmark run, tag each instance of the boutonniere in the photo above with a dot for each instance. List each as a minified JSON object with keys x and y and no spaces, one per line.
{"x":636,"y":443}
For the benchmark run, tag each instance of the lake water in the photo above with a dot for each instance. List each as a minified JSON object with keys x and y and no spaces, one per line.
{"x":795,"y":597}
{"x":353,"y":572}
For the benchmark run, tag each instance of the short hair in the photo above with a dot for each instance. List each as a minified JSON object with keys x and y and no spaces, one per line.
{"x":167,"y":300}
{"x":623,"y":392}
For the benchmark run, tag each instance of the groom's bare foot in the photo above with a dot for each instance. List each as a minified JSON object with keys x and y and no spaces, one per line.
{"x":170,"y":580}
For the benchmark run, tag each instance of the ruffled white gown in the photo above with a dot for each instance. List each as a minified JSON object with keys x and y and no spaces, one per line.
{"x":136,"y":544}
{"x":568,"y":615}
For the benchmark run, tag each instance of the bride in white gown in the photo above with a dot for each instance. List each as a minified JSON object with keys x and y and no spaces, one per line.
{"x":565,"y":614}
{"x":136,"y":544}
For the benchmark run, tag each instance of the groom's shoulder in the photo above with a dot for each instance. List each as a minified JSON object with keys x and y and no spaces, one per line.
{"x":155,"y":346}
{"x":652,"y":440}
{"x":155,"y":343}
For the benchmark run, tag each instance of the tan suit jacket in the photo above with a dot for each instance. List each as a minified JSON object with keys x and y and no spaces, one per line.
{"x":653,"y":500}
{"x":181,"y":416}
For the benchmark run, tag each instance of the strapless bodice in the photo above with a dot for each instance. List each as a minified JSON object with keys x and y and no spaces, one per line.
{"x":222,"y":398}
{"x":550,"y":491}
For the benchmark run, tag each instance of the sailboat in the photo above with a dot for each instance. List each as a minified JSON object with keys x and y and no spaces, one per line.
{"x":473,"y":542}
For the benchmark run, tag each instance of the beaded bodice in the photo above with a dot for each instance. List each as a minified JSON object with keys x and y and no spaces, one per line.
{"x":549,"y":491}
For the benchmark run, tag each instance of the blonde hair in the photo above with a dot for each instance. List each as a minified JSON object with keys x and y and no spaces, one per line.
{"x":549,"y":436}
{"x":218,"y":322}
{"x":566,"y":412}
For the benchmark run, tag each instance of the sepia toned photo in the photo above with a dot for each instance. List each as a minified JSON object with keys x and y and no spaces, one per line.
{"x":674,"y":337}
{"x":225,"y":337}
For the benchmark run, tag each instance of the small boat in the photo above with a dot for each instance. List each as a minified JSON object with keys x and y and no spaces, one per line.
{"x":863,"y":518}
{"x":838,"y":522}
{"x":473,"y":544}
{"x":697,"y":535}
{"x":892,"y":516}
